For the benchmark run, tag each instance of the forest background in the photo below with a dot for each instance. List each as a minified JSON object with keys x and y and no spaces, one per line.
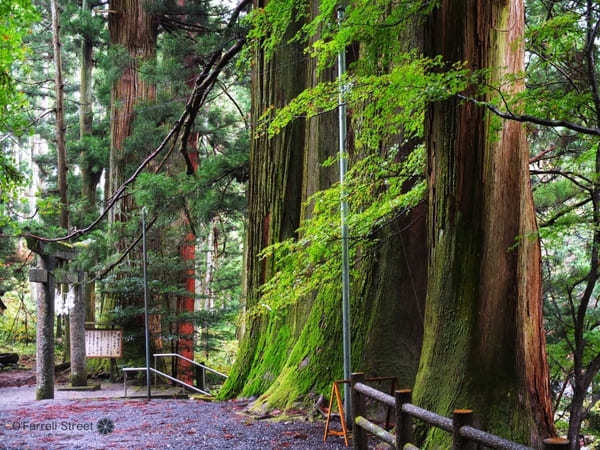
{"x":196,"y":192}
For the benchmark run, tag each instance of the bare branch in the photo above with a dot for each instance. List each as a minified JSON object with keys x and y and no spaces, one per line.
{"x":226,"y":92}
{"x":565,"y":211}
{"x":525,"y":118}
{"x":571,"y":176}
{"x":110,"y":267}
{"x":541,"y":154}
{"x":79,"y":232}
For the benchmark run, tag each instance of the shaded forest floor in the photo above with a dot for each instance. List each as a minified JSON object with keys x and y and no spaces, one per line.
{"x":155,"y":424}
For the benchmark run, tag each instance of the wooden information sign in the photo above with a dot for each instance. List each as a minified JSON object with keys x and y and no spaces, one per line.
{"x":104,"y":343}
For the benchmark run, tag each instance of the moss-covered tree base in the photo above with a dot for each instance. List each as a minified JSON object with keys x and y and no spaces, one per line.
{"x":300,"y":351}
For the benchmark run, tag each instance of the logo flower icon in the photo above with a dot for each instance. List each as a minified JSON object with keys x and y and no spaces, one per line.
{"x":105,"y":426}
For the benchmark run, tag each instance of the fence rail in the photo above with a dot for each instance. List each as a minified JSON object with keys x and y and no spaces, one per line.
{"x":464,"y":435}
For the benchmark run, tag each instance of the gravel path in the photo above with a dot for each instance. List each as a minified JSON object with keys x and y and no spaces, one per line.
{"x":140,"y":424}
{"x":25,"y":394}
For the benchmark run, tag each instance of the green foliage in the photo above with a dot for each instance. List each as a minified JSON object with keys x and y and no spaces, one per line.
{"x":210,"y":201}
{"x":377,"y":190}
{"x":16,"y":17}
{"x":559,"y":87}
{"x":383,"y":105}
{"x":17,"y":324}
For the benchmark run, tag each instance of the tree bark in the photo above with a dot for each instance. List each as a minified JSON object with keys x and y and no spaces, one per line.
{"x":274,"y":195}
{"x":60,"y":117}
{"x":90,"y":173}
{"x":298,"y":350}
{"x":484,"y":343}
{"x":187,"y":252}
{"x":189,"y":334}
{"x":576,"y":412}
{"x":132,"y":28}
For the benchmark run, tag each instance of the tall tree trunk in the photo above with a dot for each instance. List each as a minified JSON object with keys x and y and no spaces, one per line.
{"x":289,"y":354}
{"x":187,"y":329}
{"x":484,"y":343}
{"x":131,"y":27}
{"x":61,"y":150}
{"x":60,"y":117}
{"x":90,"y":175}
{"x":576,"y":416}
{"x":274,"y":200}
{"x":211,"y":251}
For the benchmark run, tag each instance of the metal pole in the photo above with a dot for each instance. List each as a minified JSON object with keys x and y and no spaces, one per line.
{"x":344,"y":214}
{"x":146,"y":329}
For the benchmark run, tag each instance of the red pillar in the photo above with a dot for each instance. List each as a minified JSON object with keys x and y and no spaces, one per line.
{"x":185,"y":330}
{"x":186,"y":304}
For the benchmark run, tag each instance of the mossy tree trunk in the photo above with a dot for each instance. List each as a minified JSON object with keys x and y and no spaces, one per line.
{"x":290,"y":353}
{"x":484,"y":343}
{"x":274,"y":201}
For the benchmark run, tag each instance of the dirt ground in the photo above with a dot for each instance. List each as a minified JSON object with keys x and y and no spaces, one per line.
{"x":70,"y":421}
{"x":14,"y":378}
{"x":138,"y":424}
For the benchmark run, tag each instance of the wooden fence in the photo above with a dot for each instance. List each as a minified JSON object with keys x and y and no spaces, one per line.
{"x":464,"y":435}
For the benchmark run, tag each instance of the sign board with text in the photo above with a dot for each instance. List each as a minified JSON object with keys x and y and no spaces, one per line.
{"x":104,"y":343}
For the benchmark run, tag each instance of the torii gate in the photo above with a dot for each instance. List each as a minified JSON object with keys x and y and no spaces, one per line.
{"x":49,"y":258}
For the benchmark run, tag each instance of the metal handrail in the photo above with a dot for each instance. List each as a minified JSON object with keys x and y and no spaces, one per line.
{"x":194,"y":388}
{"x":191,"y":361}
{"x":158,"y":372}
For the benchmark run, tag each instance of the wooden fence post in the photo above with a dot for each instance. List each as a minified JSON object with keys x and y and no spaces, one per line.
{"x":359,"y":436}
{"x":461,"y":417}
{"x":403,"y":420}
{"x":556,"y":443}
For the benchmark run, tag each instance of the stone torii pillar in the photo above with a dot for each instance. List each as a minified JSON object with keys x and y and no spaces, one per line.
{"x":44,"y":361}
{"x":77,"y":330}
{"x":48,"y":258}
